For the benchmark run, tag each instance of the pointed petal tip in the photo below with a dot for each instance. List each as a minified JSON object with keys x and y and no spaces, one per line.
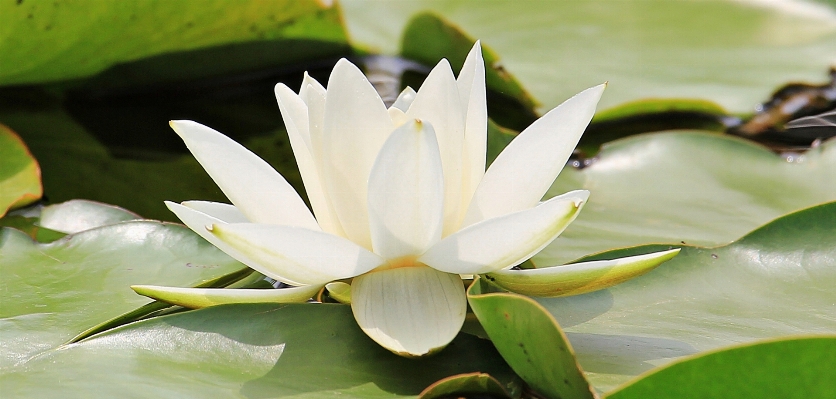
{"x":137,"y":288}
{"x":581,"y":195}
{"x":279,"y":86}
{"x":177,"y":126}
{"x":174,"y":207}
{"x":477,"y":48}
{"x":182,"y":123}
{"x":189,"y":129}
{"x":344,"y":68}
{"x":671,"y":252}
{"x":197,"y":298}
{"x":344,"y":63}
{"x":579,"y":278}
{"x":596,"y":90}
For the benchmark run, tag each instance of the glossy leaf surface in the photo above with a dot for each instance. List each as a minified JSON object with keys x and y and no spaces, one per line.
{"x":75,"y":216}
{"x":245,"y":351}
{"x":53,"y":291}
{"x":791,"y":368}
{"x":686,"y":188}
{"x":776,"y":281}
{"x":530,"y":340}
{"x":730,"y":52}
{"x":60,"y":40}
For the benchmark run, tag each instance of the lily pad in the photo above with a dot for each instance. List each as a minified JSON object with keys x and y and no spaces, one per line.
{"x":60,"y":40}
{"x":730,"y":52}
{"x":530,"y":341}
{"x":776,"y":281}
{"x":244,"y":351}
{"x":29,"y":225}
{"x":53,"y":291}
{"x":466,"y":385}
{"x":686,"y":188}
{"x":75,"y":216}
{"x":20,"y":175}
{"x":791,"y":368}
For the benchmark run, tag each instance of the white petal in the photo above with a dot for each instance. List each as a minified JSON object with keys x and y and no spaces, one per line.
{"x":522,"y":173}
{"x":225,"y":212}
{"x":309,"y":86}
{"x":471,"y":83}
{"x":295,"y":114}
{"x":355,"y":127}
{"x":411,"y":311}
{"x":196,"y":298}
{"x":578,"y":278}
{"x":397,"y":116}
{"x":507,"y":240}
{"x":307,"y":256}
{"x":256,"y":189}
{"x":314,"y":95}
{"x":404,"y":99}
{"x":438,"y":103}
{"x":199,"y":221}
{"x":406,"y":193}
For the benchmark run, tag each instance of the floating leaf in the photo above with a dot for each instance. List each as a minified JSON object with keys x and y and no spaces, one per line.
{"x":245,"y":277}
{"x":61,"y":40}
{"x":75,"y":216}
{"x":20,"y":175}
{"x":686,"y":188}
{"x":53,"y":291}
{"x":244,"y":351}
{"x":29,"y":225}
{"x":530,"y":340}
{"x":776,"y":281}
{"x":789,"y":368}
{"x":731,"y":52}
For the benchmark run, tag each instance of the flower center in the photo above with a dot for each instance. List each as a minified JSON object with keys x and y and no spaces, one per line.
{"x":397,"y":263}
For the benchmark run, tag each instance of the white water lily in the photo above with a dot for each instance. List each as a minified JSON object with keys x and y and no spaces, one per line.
{"x":402,"y":202}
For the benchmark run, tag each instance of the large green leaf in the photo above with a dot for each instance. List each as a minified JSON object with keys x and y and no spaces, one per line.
{"x":244,"y":351}
{"x":20,"y":175}
{"x":686,"y":188}
{"x":730,"y":52}
{"x":799,"y":368}
{"x":53,"y":291}
{"x":776,"y":281}
{"x":59,"y":40}
{"x":75,"y":216}
{"x":530,"y":341}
